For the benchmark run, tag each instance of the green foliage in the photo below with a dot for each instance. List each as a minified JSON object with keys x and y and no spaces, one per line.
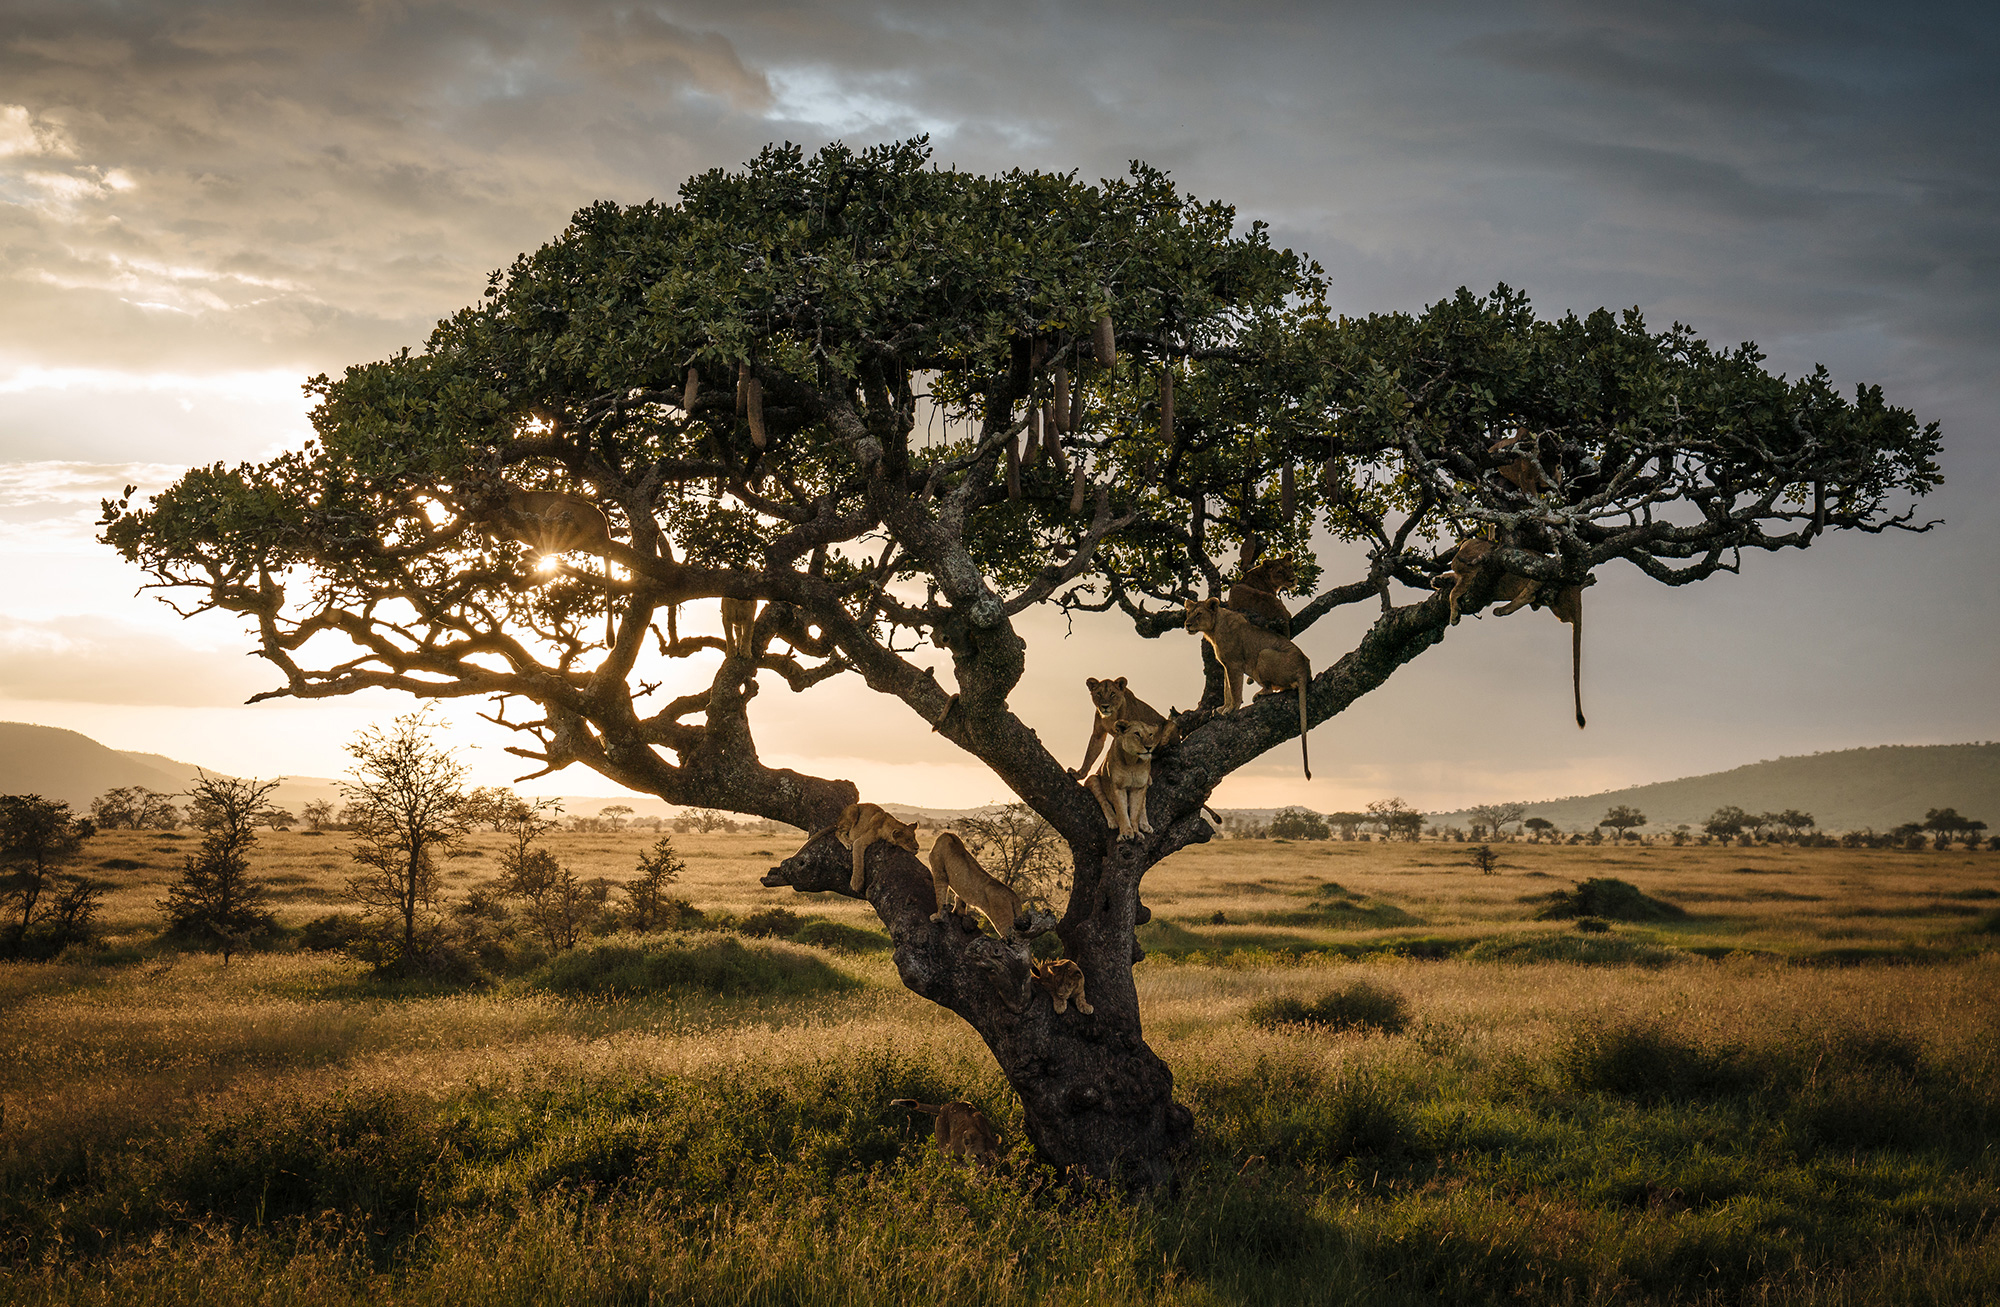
{"x":711,"y":964}
{"x":1358,"y":1005}
{"x":848,"y":281}
{"x":1608,"y":897}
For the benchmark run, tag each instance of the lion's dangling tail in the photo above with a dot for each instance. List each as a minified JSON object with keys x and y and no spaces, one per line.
{"x":1576,"y":659}
{"x":1305,"y":759}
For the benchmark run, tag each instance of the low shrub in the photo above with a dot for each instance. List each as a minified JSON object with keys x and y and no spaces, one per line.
{"x":1608,"y":897}
{"x":767,"y":923}
{"x":658,"y":964}
{"x":335,"y":932}
{"x":1356,"y":1006}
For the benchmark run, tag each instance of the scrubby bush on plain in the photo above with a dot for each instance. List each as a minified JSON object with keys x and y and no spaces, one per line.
{"x":1359,"y":1005}
{"x":1608,"y":897}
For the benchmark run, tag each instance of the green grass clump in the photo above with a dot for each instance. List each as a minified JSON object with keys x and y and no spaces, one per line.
{"x":1338,"y":914}
{"x":1607,"y":897}
{"x":712,"y":964}
{"x":1648,"y":1061}
{"x":841,"y":937}
{"x":771,"y":923}
{"x":1358,"y":1005}
{"x":1593,"y":950}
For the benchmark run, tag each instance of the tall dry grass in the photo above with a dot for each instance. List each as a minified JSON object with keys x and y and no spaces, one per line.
{"x":1729,"y":1129}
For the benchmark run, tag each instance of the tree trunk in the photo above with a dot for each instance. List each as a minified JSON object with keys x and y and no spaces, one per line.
{"x":1096,"y":1098}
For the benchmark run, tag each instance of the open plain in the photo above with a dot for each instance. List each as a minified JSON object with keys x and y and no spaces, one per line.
{"x":1406,"y":1089}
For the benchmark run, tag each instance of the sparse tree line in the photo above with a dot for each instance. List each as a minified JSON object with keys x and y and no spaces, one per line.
{"x":135,"y":807}
{"x":1385,"y":819}
{"x":1941,"y":828}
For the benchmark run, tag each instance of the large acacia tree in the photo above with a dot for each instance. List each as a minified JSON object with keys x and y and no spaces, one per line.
{"x":801,"y":384}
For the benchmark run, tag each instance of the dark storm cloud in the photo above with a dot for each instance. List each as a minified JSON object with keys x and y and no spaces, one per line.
{"x":342,"y":175}
{"x":273,"y":183}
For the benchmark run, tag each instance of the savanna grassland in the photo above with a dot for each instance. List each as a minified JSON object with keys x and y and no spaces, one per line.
{"x":1407,"y":1090}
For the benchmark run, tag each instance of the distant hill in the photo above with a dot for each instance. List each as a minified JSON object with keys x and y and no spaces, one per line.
{"x":1850,"y":789}
{"x":66,"y":765}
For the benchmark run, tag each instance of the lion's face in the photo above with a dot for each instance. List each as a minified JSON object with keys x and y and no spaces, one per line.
{"x":903,"y":834}
{"x":1201,"y":614}
{"x":1276,"y":575}
{"x":1135,"y":741}
{"x":1106,"y":696}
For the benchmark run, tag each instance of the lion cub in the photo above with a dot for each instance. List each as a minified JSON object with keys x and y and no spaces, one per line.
{"x":1062,"y":980}
{"x":1245,"y":649}
{"x":860,"y":825}
{"x":957,"y":875}
{"x":1128,"y":771}
{"x":962,"y":1129}
{"x":1111,"y":701}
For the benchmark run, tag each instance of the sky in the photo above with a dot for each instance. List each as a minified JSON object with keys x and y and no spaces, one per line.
{"x":201,"y":205}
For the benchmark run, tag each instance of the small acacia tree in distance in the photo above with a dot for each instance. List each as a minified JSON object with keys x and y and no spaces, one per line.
{"x":1727,"y":821}
{"x":1947,"y":825}
{"x":1622,"y":818}
{"x":317,"y":814}
{"x":1492,"y":817}
{"x":1299,"y":824}
{"x":1347,"y":823}
{"x":1126,"y":385}
{"x":216,"y":902}
{"x":1539,"y":828}
{"x":407,"y":807}
{"x":134,"y":807}
{"x":1397,"y":819}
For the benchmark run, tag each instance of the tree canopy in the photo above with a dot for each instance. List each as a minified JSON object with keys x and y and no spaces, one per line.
{"x":901,"y":405}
